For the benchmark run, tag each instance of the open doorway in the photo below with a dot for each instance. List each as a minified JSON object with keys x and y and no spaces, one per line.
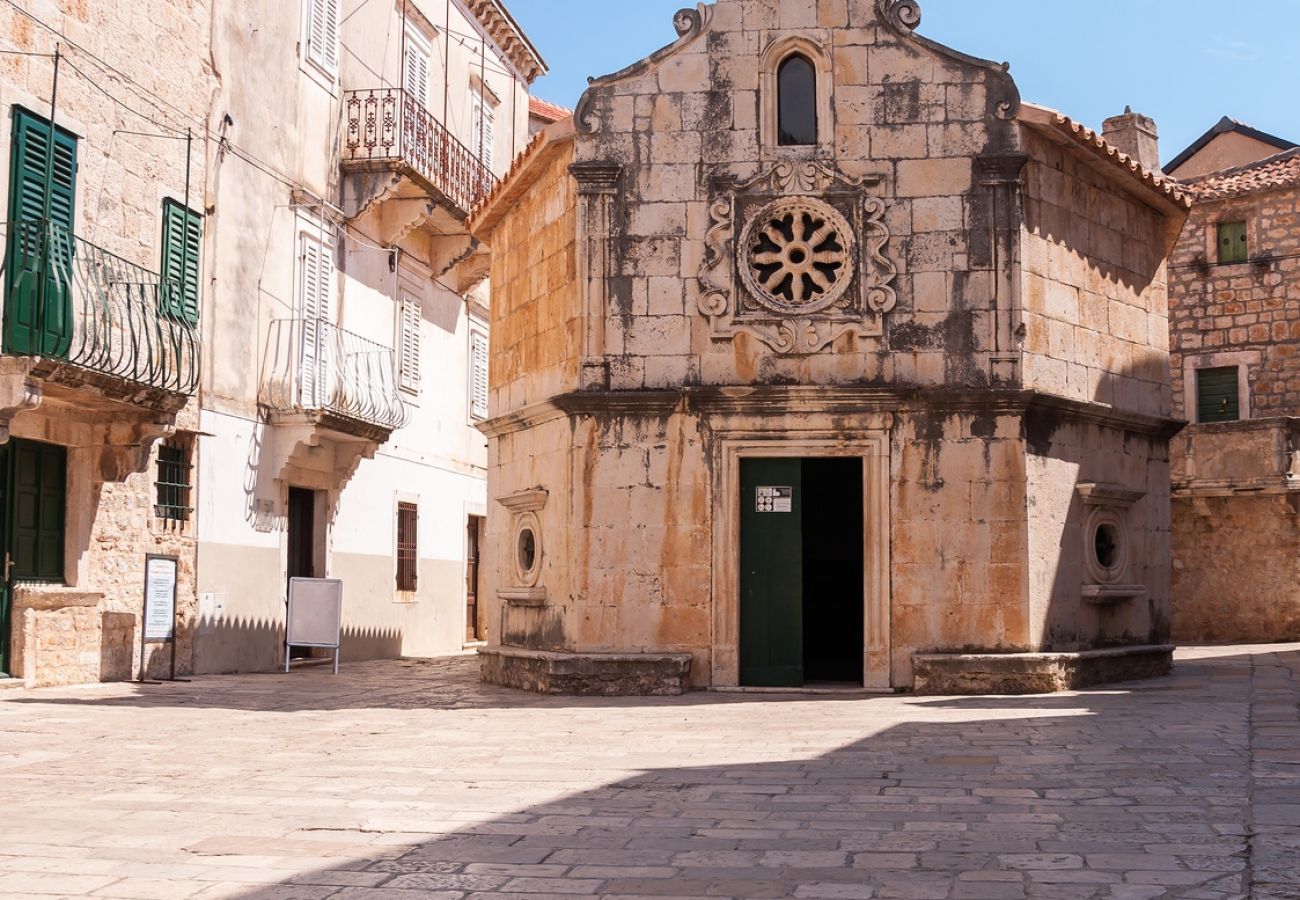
{"x":473,"y":543}
{"x":801,"y":586}
{"x":302,"y":540}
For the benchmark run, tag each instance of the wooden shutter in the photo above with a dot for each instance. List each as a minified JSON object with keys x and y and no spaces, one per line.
{"x":484,"y":122}
{"x":316,"y":287}
{"x":478,"y":403}
{"x":409,"y":342}
{"x":1217,"y":395}
{"x":181,"y":242}
{"x":408,"y":553}
{"x":1233,"y":246}
{"x":416,"y":67}
{"x":323,"y":34}
{"x":38,"y":313}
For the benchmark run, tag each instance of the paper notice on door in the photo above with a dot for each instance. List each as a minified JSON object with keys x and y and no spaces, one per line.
{"x":775,"y":500}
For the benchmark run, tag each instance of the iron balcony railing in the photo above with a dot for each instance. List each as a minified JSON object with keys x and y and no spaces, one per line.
{"x":388,"y":125}
{"x":315,"y":367}
{"x":68,"y":300}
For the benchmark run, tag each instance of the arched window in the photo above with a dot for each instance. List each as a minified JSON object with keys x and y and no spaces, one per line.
{"x":796,"y":101}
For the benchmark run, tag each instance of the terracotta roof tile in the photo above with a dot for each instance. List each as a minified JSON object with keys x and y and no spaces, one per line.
{"x":544,"y":109}
{"x":1280,"y":171}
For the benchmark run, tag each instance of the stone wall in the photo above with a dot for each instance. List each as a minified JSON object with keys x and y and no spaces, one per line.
{"x":1236,"y":573}
{"x":1246,"y":312}
{"x":1094,"y":286}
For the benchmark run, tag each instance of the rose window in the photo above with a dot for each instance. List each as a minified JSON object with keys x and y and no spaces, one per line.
{"x":798,"y":255}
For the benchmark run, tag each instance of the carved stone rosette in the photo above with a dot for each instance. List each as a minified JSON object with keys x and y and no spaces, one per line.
{"x":795,"y":258}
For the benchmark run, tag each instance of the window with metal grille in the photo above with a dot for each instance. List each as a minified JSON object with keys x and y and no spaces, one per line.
{"x":1233,"y":246}
{"x":1218,"y":395}
{"x":408,"y":521}
{"x":173,"y":483}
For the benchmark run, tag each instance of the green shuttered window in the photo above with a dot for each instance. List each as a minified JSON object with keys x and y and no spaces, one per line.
{"x":38,"y":316}
{"x":182,"y":238}
{"x":1233,"y":246}
{"x":1217,"y":395}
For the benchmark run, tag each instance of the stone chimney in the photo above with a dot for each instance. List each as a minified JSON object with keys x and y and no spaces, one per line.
{"x":1136,"y":135}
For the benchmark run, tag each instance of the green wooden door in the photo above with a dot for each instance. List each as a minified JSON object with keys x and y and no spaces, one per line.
{"x":6,"y":594}
{"x":771,"y":573}
{"x":37,"y":510}
{"x":38,"y":295}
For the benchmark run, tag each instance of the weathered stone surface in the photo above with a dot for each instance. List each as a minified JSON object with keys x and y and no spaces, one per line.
{"x":587,"y":674}
{"x":1036,"y":673}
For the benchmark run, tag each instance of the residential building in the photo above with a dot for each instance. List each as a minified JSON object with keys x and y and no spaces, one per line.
{"x":103,"y":177}
{"x":1234,"y":310}
{"x":1228,"y":144}
{"x":348,"y":317}
{"x":818,"y":356}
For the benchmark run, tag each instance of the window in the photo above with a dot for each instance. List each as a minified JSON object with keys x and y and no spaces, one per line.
{"x":1218,"y":395}
{"x":408,"y":522}
{"x":415,"y":68}
{"x":478,"y":375}
{"x":1233,"y":247}
{"x":321,"y":34}
{"x":172,"y":502}
{"x":44,"y":251}
{"x":796,"y":102}
{"x":408,"y":361}
{"x":182,"y":238}
{"x":482,"y":120}
{"x":315,"y":296}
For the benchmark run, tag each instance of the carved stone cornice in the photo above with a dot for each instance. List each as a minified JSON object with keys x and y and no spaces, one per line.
{"x":597,"y":177}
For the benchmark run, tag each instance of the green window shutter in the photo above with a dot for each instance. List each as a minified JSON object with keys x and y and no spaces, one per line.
{"x":38,"y":315}
{"x":1233,"y":247}
{"x":182,"y":239}
{"x":1217,"y":397}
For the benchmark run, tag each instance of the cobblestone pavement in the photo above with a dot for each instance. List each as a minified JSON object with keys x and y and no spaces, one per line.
{"x":405,"y":780}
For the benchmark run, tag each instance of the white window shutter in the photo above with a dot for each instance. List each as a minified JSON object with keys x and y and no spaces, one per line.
{"x":409,"y":349}
{"x":315,"y":294}
{"x":323,"y":33}
{"x":482,"y":119}
{"x":478,"y":404}
{"x":417,"y":67}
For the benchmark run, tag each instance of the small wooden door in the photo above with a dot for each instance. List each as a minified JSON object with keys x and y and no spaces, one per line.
{"x":771,"y":573}
{"x":472,"y":630}
{"x":33,"y":513}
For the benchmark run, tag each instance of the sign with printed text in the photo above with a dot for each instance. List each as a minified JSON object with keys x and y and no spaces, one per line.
{"x":775,"y":500}
{"x":159,"y":598}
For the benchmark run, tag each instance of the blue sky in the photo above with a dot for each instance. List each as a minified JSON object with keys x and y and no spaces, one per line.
{"x":1187,"y":63}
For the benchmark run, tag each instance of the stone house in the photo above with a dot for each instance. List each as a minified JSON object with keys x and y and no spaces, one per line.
{"x":100,"y":358}
{"x":1235,"y":360}
{"x":348,"y":318}
{"x":819,"y":356}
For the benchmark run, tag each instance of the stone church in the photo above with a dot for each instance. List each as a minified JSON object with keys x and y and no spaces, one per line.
{"x":820,"y":358}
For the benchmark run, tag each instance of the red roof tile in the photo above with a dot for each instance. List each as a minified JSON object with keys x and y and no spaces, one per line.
{"x":544,"y":109}
{"x":1280,"y":171}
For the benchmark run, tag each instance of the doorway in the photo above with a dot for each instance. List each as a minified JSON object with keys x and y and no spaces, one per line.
{"x":33,"y":516}
{"x":801,"y":579}
{"x":473,"y":541}
{"x":301,"y":539}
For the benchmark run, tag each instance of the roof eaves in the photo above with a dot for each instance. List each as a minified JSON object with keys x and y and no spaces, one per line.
{"x":1224,"y":126}
{"x":488,"y":214}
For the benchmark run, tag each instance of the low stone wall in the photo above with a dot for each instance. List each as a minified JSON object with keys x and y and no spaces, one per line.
{"x":1036,"y":673}
{"x":62,"y":637}
{"x":1236,"y":568}
{"x":587,"y":674}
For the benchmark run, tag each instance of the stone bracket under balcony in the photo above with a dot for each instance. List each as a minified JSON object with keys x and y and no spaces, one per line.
{"x":121,"y":420}
{"x":320,"y":455}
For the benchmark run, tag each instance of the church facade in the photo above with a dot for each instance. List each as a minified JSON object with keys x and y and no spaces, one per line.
{"x":819,"y":357}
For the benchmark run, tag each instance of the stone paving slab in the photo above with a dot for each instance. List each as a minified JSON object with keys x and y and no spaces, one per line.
{"x":409,"y":779}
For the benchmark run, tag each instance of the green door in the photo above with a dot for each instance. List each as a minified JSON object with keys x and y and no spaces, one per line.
{"x":38,"y":295}
{"x":33,"y":510}
{"x":771,"y":573}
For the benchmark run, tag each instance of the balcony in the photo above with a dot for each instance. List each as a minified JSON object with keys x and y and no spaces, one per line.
{"x":91,"y":336}
{"x":387,"y":129}
{"x":332,"y":395}
{"x":1255,"y":455}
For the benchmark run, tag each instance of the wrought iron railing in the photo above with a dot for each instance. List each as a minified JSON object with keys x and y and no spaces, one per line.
{"x":71,"y":301}
{"x":313,"y":366}
{"x":391,"y":125}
